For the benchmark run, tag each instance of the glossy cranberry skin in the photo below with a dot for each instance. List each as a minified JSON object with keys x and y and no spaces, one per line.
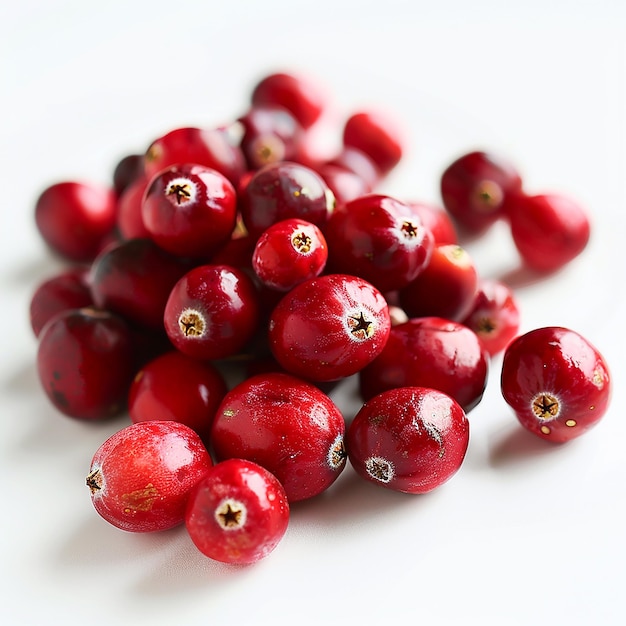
{"x":437,"y":221}
{"x":76,"y":218}
{"x":446,"y":287}
{"x":410,"y":439}
{"x":85,"y":363}
{"x":376,"y":135}
{"x":379,"y":239}
{"x":344,"y":184}
{"x":190,"y":210}
{"x":288,"y":253}
{"x":127,"y":170}
{"x":430,"y":352}
{"x":358,"y":163}
{"x":129,"y":218}
{"x":286,"y":425}
{"x":475,"y":189}
{"x":212,"y":148}
{"x":557,"y":383}
{"x":140,"y":478}
{"x":281,"y":191}
{"x":494,"y":316}
{"x":67,"y":290}
{"x":238,"y":513}
{"x":176,"y":387}
{"x":212,"y":312}
{"x":330,"y":327}
{"x":548,"y":231}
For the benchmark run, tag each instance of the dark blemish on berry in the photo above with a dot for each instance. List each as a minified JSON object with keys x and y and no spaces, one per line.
{"x":379,"y":468}
{"x":485,"y":326}
{"x":140,"y":499}
{"x":60,"y":399}
{"x":95,"y":480}
{"x":337,"y":454}
{"x":56,"y":375}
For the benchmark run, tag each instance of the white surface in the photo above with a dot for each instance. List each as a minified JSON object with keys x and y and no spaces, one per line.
{"x":525,"y":533}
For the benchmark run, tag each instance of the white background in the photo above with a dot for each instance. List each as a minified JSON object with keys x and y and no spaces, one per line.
{"x":525,"y":533}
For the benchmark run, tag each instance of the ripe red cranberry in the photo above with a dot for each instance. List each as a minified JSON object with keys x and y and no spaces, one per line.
{"x":476,"y":187}
{"x":288,"y":253}
{"x":141,"y":477}
{"x":75,"y":218}
{"x":212,"y":148}
{"x":329,"y":327}
{"x":129,"y":218}
{"x":446,"y":287}
{"x":286,"y":425}
{"x":494,"y":316}
{"x":190,"y":210}
{"x":557,"y":383}
{"x":127,"y":171}
{"x":176,"y":387}
{"x":549,"y":231}
{"x":212,"y":312}
{"x":376,"y":135}
{"x":67,"y":290}
{"x":344,"y":184}
{"x":410,"y":439}
{"x":237,"y":513}
{"x":379,"y":239}
{"x":85,"y":363}
{"x":134,"y":279}
{"x":283,"y":190}
{"x":437,"y":221}
{"x":430,"y":352}
{"x":359,"y":163}
{"x":300,"y":95}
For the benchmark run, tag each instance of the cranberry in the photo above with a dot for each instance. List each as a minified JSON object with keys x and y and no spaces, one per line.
{"x":67,"y":290}
{"x":286,"y":425}
{"x":85,"y":363}
{"x":190,"y":210}
{"x":212,"y":148}
{"x":359,"y":163}
{"x":127,"y":171}
{"x":557,"y":383}
{"x":329,"y":327}
{"x":549,"y":231}
{"x":140,"y":477}
{"x":446,"y":287}
{"x":288,"y":253}
{"x":494,"y":316}
{"x":430,"y":352}
{"x":377,"y":136}
{"x":476,"y":187}
{"x":379,"y":239}
{"x":134,"y":279}
{"x":409,"y":439}
{"x":344,"y":184}
{"x":212,"y":312}
{"x":176,"y":387}
{"x":283,"y":190}
{"x":237,"y":513}
{"x":437,"y":221}
{"x":129,"y":219}
{"x":76,"y":218}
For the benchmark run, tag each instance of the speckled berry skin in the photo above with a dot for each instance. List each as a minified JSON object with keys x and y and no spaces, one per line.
{"x":409,"y":439}
{"x":140,"y":477}
{"x":557,"y":383}
{"x":286,"y":425}
{"x":237,"y":513}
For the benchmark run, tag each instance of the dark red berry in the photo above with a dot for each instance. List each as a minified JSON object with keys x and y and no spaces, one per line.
{"x":437,"y":221}
{"x":129,"y":218}
{"x":127,"y":171}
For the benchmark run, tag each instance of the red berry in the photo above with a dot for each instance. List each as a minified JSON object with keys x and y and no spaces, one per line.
{"x":344,"y":184}
{"x":129,"y":218}
{"x":237,"y":513}
{"x":212,"y":312}
{"x":286,"y":425}
{"x":359,"y":163}
{"x":85,"y":363}
{"x":430,"y":352}
{"x":127,"y":171}
{"x":557,"y":383}
{"x":75,"y":219}
{"x":329,"y":327}
{"x":549,"y":231}
{"x":409,"y":439}
{"x":437,"y":221}
{"x":141,"y":477}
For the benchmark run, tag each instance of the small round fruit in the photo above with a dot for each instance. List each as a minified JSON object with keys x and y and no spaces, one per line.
{"x":557,"y":383}
{"x":237,"y":513}
{"x":410,"y":439}
{"x":140,"y":477}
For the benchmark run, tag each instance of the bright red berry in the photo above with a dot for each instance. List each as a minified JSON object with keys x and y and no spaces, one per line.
{"x":129,"y":218}
{"x":437,"y":221}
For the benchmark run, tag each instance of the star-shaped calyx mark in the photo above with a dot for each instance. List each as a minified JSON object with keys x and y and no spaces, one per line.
{"x":360,"y":326}
{"x":546,"y":406}
{"x":230,"y":514}
{"x":181,"y":191}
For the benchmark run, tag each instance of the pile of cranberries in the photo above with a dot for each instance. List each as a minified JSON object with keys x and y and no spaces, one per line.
{"x":228,"y":278}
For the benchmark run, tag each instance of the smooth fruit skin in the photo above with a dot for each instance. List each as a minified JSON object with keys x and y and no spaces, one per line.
{"x":140,"y":477}
{"x":329,"y":327}
{"x":85,"y":363}
{"x":437,"y":220}
{"x":129,"y":219}
{"x":237,"y":513}
{"x":548,"y":231}
{"x":409,"y":439}
{"x":286,"y":425}
{"x":557,"y":383}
